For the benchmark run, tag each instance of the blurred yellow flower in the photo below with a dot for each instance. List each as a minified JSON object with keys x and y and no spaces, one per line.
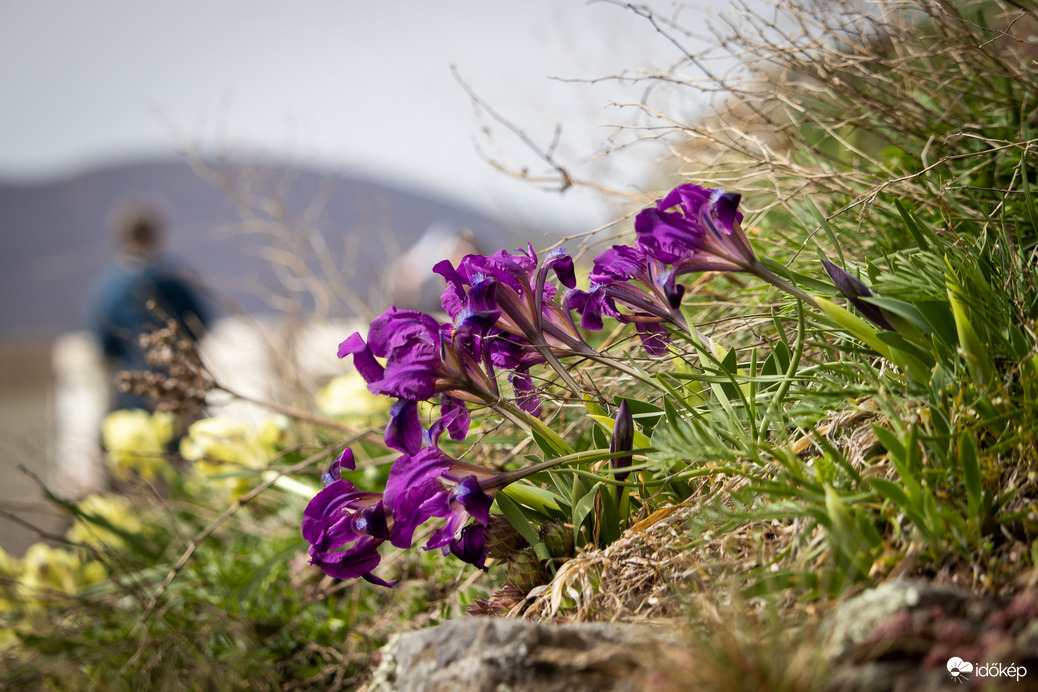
{"x":48,"y":571}
{"x":136,"y":443}
{"x":10,"y":569}
{"x":347,"y":397}
{"x":225,"y":450}
{"x":113,"y":509}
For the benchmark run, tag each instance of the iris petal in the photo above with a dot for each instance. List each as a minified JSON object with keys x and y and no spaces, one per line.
{"x":404,"y":431}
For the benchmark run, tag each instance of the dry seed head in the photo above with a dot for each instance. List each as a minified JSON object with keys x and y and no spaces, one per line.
{"x":180,"y":381}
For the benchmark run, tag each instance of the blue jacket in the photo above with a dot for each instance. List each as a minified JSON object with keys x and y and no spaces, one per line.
{"x":120,"y":312}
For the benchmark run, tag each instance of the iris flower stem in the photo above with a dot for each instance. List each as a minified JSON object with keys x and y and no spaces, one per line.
{"x":507,"y":477}
{"x":622,"y":367}
{"x":490,"y":373}
{"x":531,"y":497}
{"x":558,"y":367}
{"x":761,"y":273}
{"x":534,"y":333}
{"x":541,"y":500}
{"x":632,"y":299}
{"x":531,"y":424}
{"x":537,"y":339}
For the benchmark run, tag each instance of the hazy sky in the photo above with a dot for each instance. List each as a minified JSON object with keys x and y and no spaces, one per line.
{"x":357,"y":86}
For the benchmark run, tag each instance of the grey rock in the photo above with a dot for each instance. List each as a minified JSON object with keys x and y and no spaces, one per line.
{"x":502,"y":655}
{"x":854,"y":620}
{"x":902,"y":636}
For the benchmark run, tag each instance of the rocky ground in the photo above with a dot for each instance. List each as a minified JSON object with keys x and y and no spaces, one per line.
{"x":636,"y":616}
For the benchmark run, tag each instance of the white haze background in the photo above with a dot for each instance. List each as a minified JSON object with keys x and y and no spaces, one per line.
{"x":364,"y":87}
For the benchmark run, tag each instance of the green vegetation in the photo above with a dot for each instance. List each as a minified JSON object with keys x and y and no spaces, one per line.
{"x":902,"y":147}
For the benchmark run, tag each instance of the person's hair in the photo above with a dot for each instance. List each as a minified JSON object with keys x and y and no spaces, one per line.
{"x":139,"y":230}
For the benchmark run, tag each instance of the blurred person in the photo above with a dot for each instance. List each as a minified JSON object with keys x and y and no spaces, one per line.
{"x":139,"y":293}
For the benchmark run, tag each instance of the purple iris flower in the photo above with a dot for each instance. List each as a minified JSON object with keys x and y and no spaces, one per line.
{"x":409,"y":341}
{"x":346,"y":526}
{"x":526,"y":397}
{"x":432,"y":484}
{"x":344,"y":460}
{"x":508,"y":352}
{"x":629,"y":275}
{"x":516,"y":288}
{"x":470,"y":546}
{"x":520,"y":323}
{"x":423,"y":358}
{"x":696,"y":229}
{"x":854,"y":290}
{"x":454,"y":418}
{"x":463,"y":501}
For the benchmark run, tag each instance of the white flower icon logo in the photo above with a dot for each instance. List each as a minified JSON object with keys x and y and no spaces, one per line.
{"x":958,"y":668}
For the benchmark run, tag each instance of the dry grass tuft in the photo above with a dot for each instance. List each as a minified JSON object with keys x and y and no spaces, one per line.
{"x":653,"y":571}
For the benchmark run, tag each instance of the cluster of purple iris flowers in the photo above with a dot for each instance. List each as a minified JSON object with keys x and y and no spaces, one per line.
{"x":506,"y":314}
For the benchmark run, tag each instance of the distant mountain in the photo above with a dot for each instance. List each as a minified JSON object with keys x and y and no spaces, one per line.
{"x":57,"y":237}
